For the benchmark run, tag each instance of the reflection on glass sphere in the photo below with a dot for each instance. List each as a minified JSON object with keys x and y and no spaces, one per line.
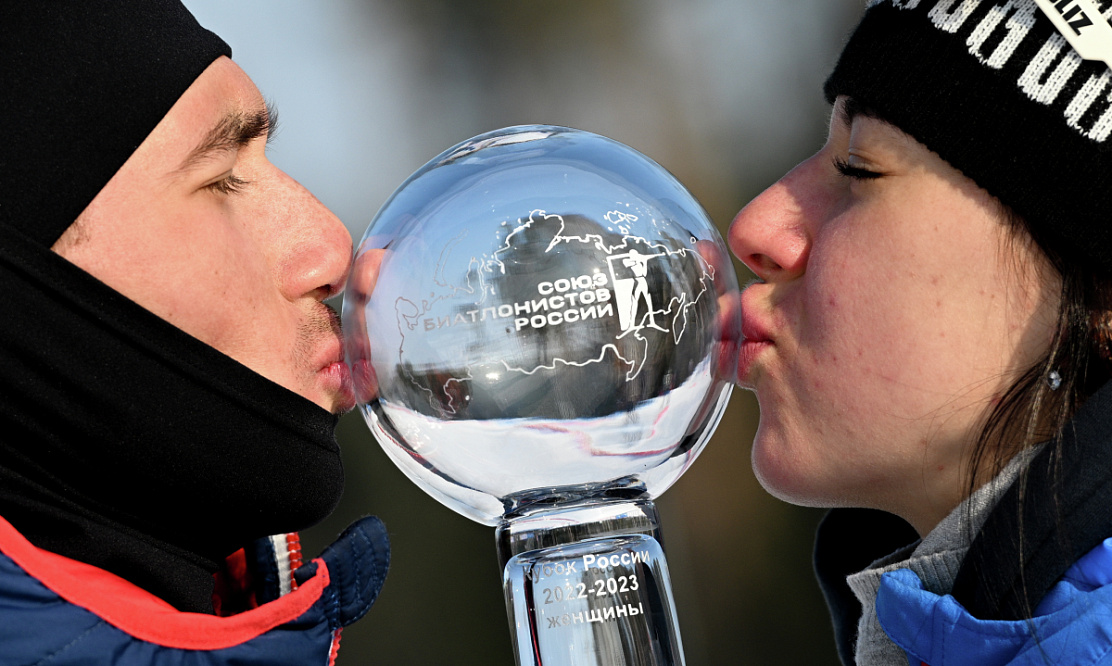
{"x":536,"y":316}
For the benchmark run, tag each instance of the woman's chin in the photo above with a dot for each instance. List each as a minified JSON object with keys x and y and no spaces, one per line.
{"x":787,"y":476}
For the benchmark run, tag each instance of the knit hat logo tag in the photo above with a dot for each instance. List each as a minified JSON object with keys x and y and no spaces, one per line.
{"x":1081,"y":23}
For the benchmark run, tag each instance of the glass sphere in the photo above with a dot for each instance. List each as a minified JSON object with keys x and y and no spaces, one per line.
{"x":540,"y":315}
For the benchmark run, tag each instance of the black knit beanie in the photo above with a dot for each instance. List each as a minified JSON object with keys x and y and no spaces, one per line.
{"x":84,"y":82}
{"x":995,"y":89}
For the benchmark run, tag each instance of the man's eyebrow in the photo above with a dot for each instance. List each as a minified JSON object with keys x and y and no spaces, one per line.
{"x":233,"y":131}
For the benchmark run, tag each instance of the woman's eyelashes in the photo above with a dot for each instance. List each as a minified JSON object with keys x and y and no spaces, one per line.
{"x":848,"y":170}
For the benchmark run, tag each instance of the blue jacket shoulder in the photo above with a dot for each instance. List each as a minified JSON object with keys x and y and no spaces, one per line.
{"x":1071,"y":625}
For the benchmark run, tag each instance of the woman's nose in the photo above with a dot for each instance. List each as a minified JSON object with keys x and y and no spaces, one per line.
{"x":771,"y":235}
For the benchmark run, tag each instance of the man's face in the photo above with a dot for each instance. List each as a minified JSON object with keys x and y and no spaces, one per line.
{"x":202,"y":230}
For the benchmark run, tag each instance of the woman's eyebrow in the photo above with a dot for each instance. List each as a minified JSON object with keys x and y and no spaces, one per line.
{"x":851,"y":108}
{"x":233,"y":131}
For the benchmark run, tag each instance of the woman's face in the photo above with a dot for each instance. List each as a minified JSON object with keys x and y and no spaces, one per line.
{"x":894,"y":307}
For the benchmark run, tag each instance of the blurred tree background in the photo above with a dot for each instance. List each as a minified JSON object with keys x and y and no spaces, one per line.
{"x":726,"y":94}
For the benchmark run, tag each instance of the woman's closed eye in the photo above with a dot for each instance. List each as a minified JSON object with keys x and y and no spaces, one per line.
{"x":848,"y":170}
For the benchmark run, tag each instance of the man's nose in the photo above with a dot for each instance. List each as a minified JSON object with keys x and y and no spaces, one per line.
{"x":772,"y":235}
{"x":318,"y":258}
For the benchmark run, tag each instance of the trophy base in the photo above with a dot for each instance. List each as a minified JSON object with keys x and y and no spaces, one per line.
{"x":589,"y":586}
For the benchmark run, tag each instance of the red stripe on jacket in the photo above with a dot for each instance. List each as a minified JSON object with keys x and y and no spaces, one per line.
{"x":139,"y":613}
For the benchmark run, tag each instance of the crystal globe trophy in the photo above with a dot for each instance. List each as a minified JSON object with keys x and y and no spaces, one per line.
{"x":538,"y":327}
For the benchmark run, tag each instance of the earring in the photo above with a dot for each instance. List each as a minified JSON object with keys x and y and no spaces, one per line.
{"x":1054,"y":380}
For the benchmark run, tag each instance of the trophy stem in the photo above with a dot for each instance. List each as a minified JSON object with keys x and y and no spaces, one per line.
{"x":588,"y":586}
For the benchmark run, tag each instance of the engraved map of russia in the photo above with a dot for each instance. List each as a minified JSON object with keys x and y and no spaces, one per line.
{"x":613,"y":304}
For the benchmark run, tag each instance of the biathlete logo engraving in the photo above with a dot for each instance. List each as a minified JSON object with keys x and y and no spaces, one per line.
{"x":630,"y":293}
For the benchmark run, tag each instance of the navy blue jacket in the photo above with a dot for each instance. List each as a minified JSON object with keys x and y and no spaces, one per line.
{"x":57,"y":611}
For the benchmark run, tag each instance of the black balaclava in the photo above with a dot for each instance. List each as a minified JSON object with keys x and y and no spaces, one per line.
{"x":125,"y":442}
